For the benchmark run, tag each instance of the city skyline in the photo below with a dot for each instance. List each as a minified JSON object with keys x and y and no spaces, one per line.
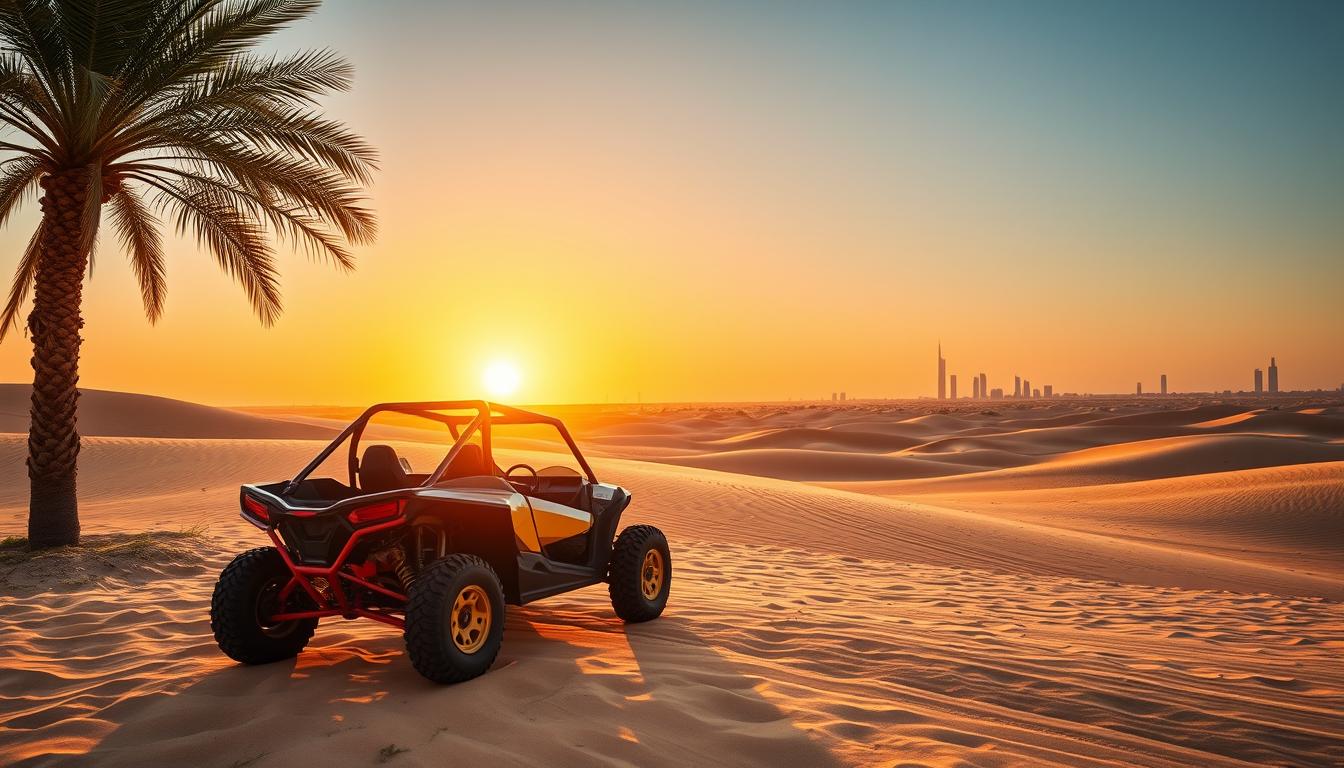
{"x":1022,"y":387}
{"x":980,"y":389}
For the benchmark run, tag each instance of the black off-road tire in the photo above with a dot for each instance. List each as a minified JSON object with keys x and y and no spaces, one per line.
{"x":235,"y":610}
{"x":429,"y":616}
{"x":625,"y":579}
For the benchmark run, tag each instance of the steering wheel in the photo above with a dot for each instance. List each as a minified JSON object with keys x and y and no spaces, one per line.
{"x":509,"y":472}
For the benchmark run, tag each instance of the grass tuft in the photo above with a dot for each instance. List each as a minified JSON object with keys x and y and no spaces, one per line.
{"x":95,"y":555}
{"x":389,"y":752}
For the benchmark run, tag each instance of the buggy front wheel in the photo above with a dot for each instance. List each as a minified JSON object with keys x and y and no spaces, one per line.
{"x":640,"y":577}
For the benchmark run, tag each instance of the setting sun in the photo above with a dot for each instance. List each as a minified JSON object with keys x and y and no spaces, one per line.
{"x":501,"y":378}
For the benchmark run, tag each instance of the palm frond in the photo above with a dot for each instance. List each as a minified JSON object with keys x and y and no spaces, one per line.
{"x":246,"y":91}
{"x":93,"y":210}
{"x":299,"y":132}
{"x":101,"y":36}
{"x":314,"y":138}
{"x":18,"y":179}
{"x":305,"y":230}
{"x":317,"y":240}
{"x":167,"y":20}
{"x":296,"y":182}
{"x":24,"y":274}
{"x":138,"y":229}
{"x":24,"y":103}
{"x":236,"y":239}
{"x":204,"y":41}
{"x":247,"y":82}
{"x":30,"y":29}
{"x":296,"y":79}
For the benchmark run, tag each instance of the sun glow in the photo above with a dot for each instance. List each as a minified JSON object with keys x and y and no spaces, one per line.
{"x":501,"y":378}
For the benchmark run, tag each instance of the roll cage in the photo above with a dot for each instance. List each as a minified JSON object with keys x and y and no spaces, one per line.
{"x":463,"y":418}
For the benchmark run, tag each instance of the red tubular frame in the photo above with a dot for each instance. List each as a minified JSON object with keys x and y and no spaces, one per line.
{"x":346,"y":607}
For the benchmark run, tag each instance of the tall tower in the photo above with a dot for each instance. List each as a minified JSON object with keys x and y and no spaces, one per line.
{"x":1164,"y":383}
{"x":1017,"y":386}
{"x":942,"y":374}
{"x":1259,"y":381}
{"x":1273,"y":376}
{"x":1138,"y":389}
{"x":975,"y":387}
{"x":952,"y":380}
{"x":1026,"y":388}
{"x":984,"y":386}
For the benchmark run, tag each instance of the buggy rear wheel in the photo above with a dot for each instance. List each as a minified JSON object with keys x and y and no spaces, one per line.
{"x":640,"y":578}
{"x":246,"y":596}
{"x":455,"y":619}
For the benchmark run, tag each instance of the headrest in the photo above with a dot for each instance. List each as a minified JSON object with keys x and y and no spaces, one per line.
{"x":468,"y":462}
{"x":381,"y":470}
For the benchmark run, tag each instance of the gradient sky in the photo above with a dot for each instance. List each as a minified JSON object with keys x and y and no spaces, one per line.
{"x":695,"y":201}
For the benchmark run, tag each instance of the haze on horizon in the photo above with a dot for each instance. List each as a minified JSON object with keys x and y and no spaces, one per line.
{"x":771,"y":201}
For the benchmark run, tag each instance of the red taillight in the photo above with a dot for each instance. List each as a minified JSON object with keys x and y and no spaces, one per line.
{"x":374,"y":512}
{"x":256,"y":509}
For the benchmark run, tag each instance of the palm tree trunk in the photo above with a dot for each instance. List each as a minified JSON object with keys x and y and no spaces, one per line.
{"x":54,"y":325}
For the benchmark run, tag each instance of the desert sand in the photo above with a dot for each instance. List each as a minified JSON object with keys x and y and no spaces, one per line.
{"x":1151,"y":583}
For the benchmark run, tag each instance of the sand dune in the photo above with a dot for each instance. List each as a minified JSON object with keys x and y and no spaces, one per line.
{"x":981,"y":450}
{"x":125,"y":414}
{"x":802,"y":464}
{"x":819,"y":439}
{"x":1158,"y":591}
{"x":1173,"y":417}
{"x":1133,"y":461}
{"x":1291,"y":515}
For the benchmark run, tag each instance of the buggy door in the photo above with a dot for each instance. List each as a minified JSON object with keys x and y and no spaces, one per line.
{"x":558,"y":492}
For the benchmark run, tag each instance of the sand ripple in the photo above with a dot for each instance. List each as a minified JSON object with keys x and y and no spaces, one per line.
{"x":768,"y":654}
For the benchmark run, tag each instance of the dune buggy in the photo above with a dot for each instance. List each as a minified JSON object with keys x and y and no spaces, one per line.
{"x":437,"y":554}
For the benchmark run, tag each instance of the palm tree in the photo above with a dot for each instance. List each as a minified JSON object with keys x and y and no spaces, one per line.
{"x":153,"y":108}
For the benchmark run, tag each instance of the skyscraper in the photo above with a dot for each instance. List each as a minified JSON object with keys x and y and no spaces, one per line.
{"x":1273,"y":376}
{"x":984,"y":386}
{"x":1026,"y":388}
{"x":953,"y":382}
{"x":1049,"y":391}
{"x":1138,"y":389}
{"x":942,"y":374}
{"x":975,"y":387}
{"x":1164,"y":383}
{"x":1259,"y":382}
{"x":1017,"y":386}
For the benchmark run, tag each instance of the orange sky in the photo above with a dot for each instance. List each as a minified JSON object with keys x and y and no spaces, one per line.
{"x":683,"y":205}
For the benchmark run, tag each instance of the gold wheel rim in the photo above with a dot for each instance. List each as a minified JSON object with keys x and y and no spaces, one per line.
{"x":651,"y":575}
{"x":470,"y":621}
